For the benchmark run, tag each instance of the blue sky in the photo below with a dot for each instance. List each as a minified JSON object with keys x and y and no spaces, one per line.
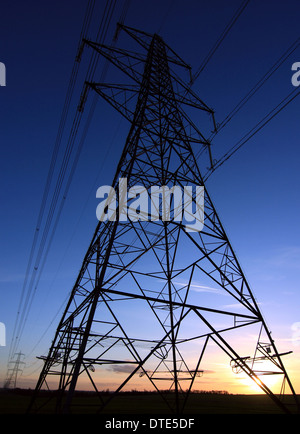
{"x":255,"y":192}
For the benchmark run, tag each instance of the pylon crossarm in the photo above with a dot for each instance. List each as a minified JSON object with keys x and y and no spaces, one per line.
{"x":240,"y":364}
{"x":186,"y":305}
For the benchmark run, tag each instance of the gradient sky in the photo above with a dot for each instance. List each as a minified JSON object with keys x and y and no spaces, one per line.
{"x":256,"y":192}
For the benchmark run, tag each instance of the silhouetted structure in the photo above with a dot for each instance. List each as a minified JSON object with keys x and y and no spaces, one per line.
{"x":134,"y":308}
{"x":15,"y":367}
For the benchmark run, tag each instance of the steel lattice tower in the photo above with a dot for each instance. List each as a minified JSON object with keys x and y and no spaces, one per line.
{"x":17,"y":366}
{"x":145,"y":269}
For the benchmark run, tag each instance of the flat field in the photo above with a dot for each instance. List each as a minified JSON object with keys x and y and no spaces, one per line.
{"x":135,"y":403}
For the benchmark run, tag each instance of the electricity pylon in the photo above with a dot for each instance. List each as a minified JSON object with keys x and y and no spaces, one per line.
{"x":135,"y":310}
{"x":15,"y":367}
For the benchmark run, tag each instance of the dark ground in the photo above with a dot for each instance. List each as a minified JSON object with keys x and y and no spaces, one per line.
{"x":135,"y":403}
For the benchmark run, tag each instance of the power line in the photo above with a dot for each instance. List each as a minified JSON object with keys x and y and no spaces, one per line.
{"x":259,"y":84}
{"x":220,"y":40}
{"x":84,"y":207}
{"x":102,"y":32}
{"x":274,"y":112}
{"x":165,"y":16}
{"x":253,"y":90}
{"x":62,"y":172}
{"x":225,"y":32}
{"x":69,"y":94}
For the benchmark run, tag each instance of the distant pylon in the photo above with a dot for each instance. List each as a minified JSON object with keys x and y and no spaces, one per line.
{"x":137,"y":308}
{"x":14,"y":369}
